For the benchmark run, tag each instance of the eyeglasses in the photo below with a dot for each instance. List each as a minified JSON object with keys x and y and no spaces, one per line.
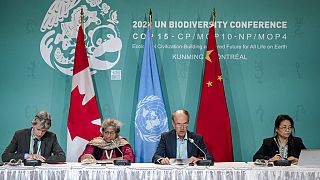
{"x":182,"y":125}
{"x":110,"y":133}
{"x":285,"y":128}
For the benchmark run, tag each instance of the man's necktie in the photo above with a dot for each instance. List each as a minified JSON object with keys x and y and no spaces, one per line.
{"x":35,"y":145}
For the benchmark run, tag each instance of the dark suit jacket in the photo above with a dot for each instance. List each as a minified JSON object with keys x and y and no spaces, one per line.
{"x":269,"y":148}
{"x":20,"y":144}
{"x":167,"y":146}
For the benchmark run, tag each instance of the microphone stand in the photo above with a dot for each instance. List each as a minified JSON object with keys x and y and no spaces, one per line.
{"x":120,"y":162}
{"x":205,"y":161}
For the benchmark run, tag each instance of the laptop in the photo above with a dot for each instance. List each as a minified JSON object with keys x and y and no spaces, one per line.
{"x":309,"y":158}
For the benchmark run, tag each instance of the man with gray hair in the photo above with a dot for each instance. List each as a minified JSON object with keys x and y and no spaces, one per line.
{"x":180,"y":143}
{"x":35,"y":143}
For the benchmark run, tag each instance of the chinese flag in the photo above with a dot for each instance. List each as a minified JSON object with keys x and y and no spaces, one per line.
{"x":84,"y":117}
{"x":213,"y":119}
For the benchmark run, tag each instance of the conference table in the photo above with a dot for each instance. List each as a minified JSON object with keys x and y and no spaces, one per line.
{"x":223,"y":171}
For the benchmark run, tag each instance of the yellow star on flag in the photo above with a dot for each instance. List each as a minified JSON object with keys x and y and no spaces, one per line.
{"x":219,"y":78}
{"x":208,"y":55}
{"x":209,"y":83}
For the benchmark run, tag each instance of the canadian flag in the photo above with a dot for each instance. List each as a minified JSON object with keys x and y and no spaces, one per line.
{"x":84,"y":118}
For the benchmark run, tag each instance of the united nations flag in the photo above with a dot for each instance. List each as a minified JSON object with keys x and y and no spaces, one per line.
{"x":151,"y":117}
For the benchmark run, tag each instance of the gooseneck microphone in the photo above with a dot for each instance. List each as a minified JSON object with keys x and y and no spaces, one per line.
{"x":192,"y":141}
{"x":121,"y":162}
{"x":201,"y":162}
{"x":117,"y":148}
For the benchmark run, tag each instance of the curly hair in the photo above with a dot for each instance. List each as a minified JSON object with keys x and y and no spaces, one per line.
{"x":111,"y":122}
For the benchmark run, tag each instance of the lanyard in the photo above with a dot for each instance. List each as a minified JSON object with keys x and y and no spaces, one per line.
{"x":283,"y":150}
{"x":109,"y":156}
{"x":181,"y":150}
{"x":31,"y":146}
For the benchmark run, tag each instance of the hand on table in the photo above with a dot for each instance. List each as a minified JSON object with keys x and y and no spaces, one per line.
{"x":37,"y":157}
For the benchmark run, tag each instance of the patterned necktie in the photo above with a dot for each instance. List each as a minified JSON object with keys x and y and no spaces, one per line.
{"x":35,"y":145}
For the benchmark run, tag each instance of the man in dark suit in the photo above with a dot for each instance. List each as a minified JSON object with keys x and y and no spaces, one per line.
{"x":177,"y":142}
{"x":35,"y":143}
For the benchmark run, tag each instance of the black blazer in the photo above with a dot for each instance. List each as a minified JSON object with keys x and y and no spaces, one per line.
{"x":269,"y":148}
{"x":167,"y":146}
{"x":20,"y":144}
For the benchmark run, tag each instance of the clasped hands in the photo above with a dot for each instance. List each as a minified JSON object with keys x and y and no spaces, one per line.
{"x":277,"y":157}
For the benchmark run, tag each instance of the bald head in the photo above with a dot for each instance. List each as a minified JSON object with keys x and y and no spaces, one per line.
{"x":179,"y":113}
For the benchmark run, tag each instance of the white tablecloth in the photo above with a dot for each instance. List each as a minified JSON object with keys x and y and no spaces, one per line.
{"x":223,"y":171}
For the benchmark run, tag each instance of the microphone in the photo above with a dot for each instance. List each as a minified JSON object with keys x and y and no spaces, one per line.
{"x":121,"y":162}
{"x":192,"y":141}
{"x":201,"y":162}
{"x":117,"y":148}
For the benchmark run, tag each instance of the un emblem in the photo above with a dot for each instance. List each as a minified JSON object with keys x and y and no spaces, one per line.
{"x":151,"y":118}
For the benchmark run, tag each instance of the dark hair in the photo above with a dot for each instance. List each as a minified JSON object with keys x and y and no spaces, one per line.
{"x":185,"y":112}
{"x":281,"y":118}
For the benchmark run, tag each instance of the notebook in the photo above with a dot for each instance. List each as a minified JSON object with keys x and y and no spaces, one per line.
{"x":179,"y":161}
{"x":309,"y":158}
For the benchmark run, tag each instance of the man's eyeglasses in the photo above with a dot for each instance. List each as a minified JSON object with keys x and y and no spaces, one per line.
{"x":285,"y":128}
{"x":182,"y":125}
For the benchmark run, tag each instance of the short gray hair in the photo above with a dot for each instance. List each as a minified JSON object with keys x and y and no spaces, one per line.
{"x":42,"y":118}
{"x":111,"y":122}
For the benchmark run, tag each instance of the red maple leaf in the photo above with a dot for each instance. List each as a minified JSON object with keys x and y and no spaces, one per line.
{"x":81,"y":117}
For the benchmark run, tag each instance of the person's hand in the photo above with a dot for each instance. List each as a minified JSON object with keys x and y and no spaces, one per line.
{"x":165,"y":161}
{"x":37,"y":157}
{"x":275,"y":157}
{"x":193,"y":159}
{"x":87,"y":156}
{"x":293,"y":160}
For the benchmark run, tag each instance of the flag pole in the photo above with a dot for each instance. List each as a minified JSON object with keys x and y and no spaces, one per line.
{"x":82,"y":19}
{"x":213,"y":15}
{"x":150,"y":19}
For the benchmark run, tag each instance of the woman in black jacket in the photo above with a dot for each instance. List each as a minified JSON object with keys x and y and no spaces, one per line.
{"x":283,"y":145}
